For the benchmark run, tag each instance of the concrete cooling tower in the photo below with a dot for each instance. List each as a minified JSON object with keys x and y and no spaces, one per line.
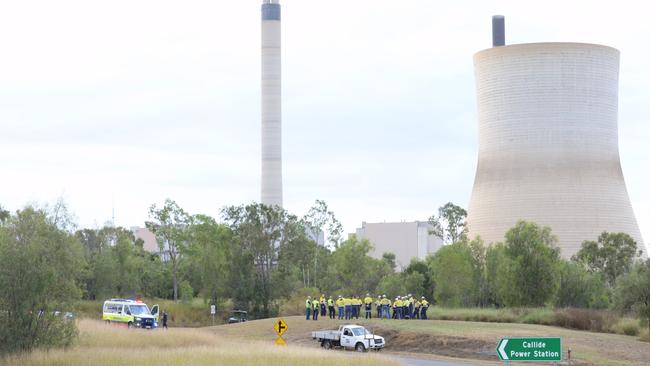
{"x":271,"y":104}
{"x":548,"y":143}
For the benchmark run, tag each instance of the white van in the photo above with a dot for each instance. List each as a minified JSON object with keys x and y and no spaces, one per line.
{"x":130,"y":312}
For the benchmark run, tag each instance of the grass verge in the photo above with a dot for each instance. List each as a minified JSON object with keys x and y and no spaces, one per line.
{"x":104,"y":345}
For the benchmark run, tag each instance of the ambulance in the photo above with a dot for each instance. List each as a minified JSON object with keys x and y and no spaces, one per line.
{"x":131,"y":313}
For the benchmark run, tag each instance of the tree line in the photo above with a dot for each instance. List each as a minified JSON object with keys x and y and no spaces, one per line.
{"x":258,"y":256}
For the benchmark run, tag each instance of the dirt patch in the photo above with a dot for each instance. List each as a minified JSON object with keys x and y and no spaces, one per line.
{"x":448,"y":346}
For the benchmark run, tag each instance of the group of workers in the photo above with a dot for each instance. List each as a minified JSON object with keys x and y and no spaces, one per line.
{"x":403,"y":307}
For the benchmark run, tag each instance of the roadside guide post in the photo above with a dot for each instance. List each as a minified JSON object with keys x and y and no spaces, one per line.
{"x":280,"y":327}
{"x":213,"y":312}
{"x":530,"y":349}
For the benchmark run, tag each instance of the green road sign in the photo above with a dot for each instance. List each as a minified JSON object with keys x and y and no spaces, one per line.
{"x":530,"y":349}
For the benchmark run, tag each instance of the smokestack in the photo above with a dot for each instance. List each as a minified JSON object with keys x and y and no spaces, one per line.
{"x":498,"y":31}
{"x":271,"y":190}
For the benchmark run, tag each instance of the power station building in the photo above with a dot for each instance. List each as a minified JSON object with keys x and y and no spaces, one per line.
{"x":406,"y":240}
{"x":271,"y":191}
{"x":548,"y":142}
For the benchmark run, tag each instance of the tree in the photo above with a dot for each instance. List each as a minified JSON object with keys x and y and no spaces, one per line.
{"x":495,"y":259}
{"x":427,"y":285}
{"x":170,"y":224}
{"x":389,"y":259}
{"x":40,"y":270}
{"x":320,"y":220}
{"x":4,"y":215}
{"x":528,"y":274}
{"x":260,"y":231}
{"x":392,"y":285}
{"x":612,"y":255}
{"x":453,"y":275}
{"x":210,"y":252}
{"x":351,"y":268}
{"x":449,"y":225}
{"x":579,"y":288}
{"x":632,"y":293}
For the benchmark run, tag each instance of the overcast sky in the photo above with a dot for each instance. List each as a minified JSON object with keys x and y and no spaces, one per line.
{"x":124,"y":103}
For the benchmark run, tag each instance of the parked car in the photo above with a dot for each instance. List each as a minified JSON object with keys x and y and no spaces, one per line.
{"x":237,"y":316}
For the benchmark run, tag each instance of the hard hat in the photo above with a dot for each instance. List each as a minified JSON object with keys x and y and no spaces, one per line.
{"x":368,"y":294}
{"x":423,"y":297}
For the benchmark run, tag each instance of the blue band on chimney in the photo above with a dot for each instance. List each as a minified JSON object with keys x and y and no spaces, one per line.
{"x":270,"y":11}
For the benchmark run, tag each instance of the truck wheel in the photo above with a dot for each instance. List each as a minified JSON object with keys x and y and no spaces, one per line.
{"x":327,"y":344}
{"x":360,"y":347}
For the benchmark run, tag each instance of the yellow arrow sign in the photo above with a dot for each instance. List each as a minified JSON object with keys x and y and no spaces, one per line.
{"x":280,"y":327}
{"x":280,"y":342}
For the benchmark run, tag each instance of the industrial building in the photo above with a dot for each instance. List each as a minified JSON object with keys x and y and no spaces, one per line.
{"x":271,"y":104}
{"x":548,"y":142}
{"x":406,"y":240}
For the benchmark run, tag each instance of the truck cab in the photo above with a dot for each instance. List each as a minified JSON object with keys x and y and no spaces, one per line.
{"x":355,"y":336}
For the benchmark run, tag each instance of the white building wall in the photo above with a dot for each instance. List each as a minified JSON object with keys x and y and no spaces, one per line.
{"x":548,"y":143}
{"x":406,"y":240}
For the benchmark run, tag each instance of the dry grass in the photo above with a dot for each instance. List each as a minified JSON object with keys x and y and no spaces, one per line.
{"x":103,"y":345}
{"x":458,"y":338}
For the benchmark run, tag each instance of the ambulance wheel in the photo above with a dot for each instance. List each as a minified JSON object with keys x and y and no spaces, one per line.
{"x":360,"y":347}
{"x":130,"y":325}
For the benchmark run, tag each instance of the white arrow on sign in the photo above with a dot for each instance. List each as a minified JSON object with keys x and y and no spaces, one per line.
{"x":502,"y":349}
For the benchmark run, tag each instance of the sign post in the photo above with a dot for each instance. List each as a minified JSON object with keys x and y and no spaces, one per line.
{"x":280,"y":327}
{"x":213,"y":312}
{"x":530,"y":349}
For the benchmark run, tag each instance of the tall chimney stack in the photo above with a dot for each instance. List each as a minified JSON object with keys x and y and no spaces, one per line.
{"x":498,"y":31}
{"x":271,"y":190}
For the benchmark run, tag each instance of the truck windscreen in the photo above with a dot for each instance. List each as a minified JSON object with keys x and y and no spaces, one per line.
{"x":139,"y":310}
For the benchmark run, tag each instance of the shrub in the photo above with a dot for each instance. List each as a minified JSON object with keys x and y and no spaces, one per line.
{"x":187,"y":292}
{"x":541,"y":316}
{"x":39,"y":267}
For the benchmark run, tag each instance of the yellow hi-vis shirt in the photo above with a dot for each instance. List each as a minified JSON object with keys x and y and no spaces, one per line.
{"x":398,"y":303}
{"x":425,"y":303}
{"x":330,"y":302}
{"x":307,"y":303}
{"x":385,"y":302}
{"x":340,"y":302}
{"x":347,"y":301}
{"x":367,"y":300}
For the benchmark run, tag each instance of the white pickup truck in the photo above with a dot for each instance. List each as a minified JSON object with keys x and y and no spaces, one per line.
{"x":349,"y":336}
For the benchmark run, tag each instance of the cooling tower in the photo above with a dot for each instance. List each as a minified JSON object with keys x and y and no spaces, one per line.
{"x":548,"y":143}
{"x":271,"y":104}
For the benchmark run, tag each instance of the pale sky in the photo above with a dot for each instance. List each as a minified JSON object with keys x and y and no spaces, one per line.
{"x":124,"y":103}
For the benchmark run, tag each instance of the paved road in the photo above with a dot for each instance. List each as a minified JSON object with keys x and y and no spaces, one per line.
{"x":422,"y":362}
